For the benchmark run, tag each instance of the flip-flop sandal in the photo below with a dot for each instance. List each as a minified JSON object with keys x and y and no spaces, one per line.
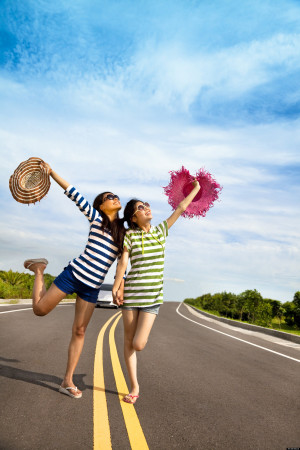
{"x":29,"y":262}
{"x":130,"y":399}
{"x":66,"y":391}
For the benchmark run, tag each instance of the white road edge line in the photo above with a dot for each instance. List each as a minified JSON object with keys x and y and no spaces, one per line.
{"x":25,"y":309}
{"x":15,"y":310}
{"x":233,"y":337}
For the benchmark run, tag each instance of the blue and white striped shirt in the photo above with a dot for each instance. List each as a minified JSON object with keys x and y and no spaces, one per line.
{"x":100,"y":251}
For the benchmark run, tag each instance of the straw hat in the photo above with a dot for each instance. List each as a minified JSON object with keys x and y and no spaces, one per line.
{"x":30,"y":182}
{"x":181,"y":184}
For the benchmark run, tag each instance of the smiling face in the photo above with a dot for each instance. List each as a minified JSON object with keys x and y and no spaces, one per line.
{"x":142,"y":214}
{"x":110,"y":203}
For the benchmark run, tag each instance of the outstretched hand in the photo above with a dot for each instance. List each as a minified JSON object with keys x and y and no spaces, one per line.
{"x":196,"y":183}
{"x":46,"y":167}
{"x":184,"y":203}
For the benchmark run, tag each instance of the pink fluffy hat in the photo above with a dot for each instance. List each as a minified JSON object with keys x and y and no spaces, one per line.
{"x":181,"y":184}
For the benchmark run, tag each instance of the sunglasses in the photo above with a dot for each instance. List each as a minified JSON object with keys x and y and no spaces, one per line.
{"x":110,"y":197}
{"x":142,"y":207}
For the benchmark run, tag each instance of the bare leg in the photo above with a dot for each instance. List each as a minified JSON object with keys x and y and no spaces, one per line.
{"x":83,"y":314}
{"x":137,"y":327}
{"x":44,"y":301}
{"x":144,"y":326}
{"x":130,"y":319}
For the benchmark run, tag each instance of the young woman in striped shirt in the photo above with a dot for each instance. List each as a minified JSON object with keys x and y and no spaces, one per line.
{"x":85,"y":274}
{"x":143,"y":291}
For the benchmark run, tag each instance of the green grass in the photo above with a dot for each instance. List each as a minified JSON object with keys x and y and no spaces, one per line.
{"x":275,"y":322}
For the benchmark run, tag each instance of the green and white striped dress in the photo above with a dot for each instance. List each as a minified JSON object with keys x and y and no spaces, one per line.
{"x":144,"y":282}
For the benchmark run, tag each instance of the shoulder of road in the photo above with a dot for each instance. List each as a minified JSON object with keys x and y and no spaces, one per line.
{"x":247,"y":326}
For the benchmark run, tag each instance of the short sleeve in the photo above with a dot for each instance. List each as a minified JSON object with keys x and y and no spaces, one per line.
{"x":163,"y":227}
{"x":127,"y":242}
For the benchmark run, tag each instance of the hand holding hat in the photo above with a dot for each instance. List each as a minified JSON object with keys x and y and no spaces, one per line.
{"x":182,"y":183}
{"x":30,"y":182}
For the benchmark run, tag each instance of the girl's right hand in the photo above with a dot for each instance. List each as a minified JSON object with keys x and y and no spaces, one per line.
{"x":115,"y":297}
{"x":119,"y":298}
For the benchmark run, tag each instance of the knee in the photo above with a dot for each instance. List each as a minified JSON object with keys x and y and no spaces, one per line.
{"x":38,"y":311}
{"x":79,"y":331}
{"x":128,"y":342}
{"x":138,"y":345}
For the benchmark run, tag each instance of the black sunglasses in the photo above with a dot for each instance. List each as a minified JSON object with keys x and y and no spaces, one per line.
{"x":110,"y":197}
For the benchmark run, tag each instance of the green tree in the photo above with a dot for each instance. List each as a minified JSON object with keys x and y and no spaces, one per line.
{"x":228,"y":304}
{"x":263,"y":313}
{"x":251,"y":299}
{"x":276,"y":305}
{"x":241,"y":307}
{"x":206,"y":301}
{"x":12,"y":278}
{"x":289,"y":313}
{"x":296,"y":302}
{"x":217,"y":303}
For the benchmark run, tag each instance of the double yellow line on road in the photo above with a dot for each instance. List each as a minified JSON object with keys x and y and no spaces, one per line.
{"x":102,"y":437}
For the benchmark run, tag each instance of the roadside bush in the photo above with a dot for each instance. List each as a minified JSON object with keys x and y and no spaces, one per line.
{"x":296,"y":302}
{"x":289,"y":316}
{"x":264,"y":313}
{"x":250,"y":306}
{"x":7,"y":290}
{"x":19,"y":285}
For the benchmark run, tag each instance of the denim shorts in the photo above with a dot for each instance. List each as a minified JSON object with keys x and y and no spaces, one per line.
{"x":149,"y":309}
{"x":68,"y":283}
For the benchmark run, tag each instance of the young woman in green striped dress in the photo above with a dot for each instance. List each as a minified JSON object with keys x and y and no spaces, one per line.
{"x":143,"y":291}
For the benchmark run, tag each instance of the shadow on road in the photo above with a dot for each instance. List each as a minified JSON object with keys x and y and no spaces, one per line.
{"x":108,"y":391}
{"x":8,"y":360}
{"x":40,"y":379}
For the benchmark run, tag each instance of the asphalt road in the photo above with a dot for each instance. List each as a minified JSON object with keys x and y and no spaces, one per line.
{"x":202,"y":386}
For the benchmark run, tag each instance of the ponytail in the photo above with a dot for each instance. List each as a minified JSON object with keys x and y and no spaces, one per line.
{"x":129,"y":210}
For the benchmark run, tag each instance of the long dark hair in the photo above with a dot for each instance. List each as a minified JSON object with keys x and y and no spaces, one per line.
{"x":116,"y":227}
{"x":129,"y":210}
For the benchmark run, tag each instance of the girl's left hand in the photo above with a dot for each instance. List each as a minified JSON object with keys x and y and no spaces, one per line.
{"x":196,"y":183}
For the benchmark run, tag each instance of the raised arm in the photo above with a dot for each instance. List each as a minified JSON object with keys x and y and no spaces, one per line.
{"x":121,"y":268}
{"x":183,"y":204}
{"x":70,"y":191}
{"x":59,"y":180}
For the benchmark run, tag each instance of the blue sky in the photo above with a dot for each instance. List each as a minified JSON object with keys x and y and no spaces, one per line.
{"x":116,"y":94}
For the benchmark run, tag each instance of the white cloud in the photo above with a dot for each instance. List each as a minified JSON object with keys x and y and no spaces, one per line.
{"x":173,"y":280}
{"x":176,"y":75}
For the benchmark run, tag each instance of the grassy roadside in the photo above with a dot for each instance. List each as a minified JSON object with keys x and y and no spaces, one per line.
{"x":275,"y":322}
